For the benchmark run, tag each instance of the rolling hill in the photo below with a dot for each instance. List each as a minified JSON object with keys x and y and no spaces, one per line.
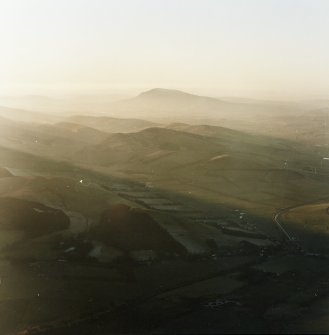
{"x":299,"y":121}
{"x":110,"y":124}
{"x":94,"y":221}
{"x":24,"y":115}
{"x":220,"y":164}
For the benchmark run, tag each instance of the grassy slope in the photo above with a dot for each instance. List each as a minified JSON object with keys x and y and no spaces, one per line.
{"x":212,"y":164}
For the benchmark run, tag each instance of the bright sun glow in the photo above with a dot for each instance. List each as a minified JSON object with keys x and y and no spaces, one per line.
{"x":250,"y":48}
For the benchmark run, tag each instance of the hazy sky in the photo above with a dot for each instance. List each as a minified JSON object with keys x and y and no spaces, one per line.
{"x":251,"y":48}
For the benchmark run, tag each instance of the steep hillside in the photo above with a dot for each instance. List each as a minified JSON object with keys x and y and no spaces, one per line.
{"x":32,"y":217}
{"x":131,"y":229}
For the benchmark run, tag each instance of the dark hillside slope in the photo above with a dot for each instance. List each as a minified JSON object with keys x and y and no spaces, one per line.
{"x":131,"y":229}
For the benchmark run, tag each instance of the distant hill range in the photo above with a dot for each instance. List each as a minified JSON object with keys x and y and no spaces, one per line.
{"x":299,"y":121}
{"x":176,"y":105}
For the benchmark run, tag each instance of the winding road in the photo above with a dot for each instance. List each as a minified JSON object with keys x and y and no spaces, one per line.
{"x":276,"y":219}
{"x":277,"y":215}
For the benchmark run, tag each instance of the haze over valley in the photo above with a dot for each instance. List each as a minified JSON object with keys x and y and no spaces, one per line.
{"x":159,"y":176}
